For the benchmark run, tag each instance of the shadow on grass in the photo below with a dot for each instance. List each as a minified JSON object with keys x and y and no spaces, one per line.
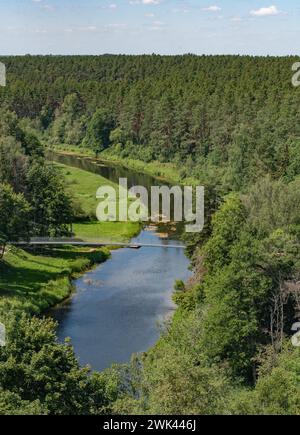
{"x":15,"y":279}
{"x":26,"y":274}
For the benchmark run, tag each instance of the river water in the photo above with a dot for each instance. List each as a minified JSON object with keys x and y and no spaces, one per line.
{"x":117,"y":308}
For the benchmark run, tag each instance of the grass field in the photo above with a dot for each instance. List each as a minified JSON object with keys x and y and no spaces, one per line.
{"x":82,"y":186}
{"x":35,"y":281}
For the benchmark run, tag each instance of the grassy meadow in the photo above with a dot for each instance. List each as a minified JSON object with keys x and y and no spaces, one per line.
{"x":35,"y":280}
{"x":82,"y":187}
{"x":39,"y":279}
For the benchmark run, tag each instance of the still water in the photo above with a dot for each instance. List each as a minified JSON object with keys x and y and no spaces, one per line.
{"x":117,"y":307}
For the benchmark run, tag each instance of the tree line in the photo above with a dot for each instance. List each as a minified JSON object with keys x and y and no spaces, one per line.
{"x":233,"y":118}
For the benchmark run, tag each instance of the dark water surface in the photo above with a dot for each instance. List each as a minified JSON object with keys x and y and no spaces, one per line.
{"x":118,"y":306}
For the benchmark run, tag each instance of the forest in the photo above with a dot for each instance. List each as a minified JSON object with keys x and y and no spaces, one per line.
{"x":231,"y":123}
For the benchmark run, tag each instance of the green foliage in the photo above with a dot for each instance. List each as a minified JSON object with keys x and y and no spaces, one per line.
{"x":98,"y":131}
{"x":227,"y":224}
{"x":23,"y":167}
{"x":40,"y":376}
{"x":232,"y":325}
{"x":249,"y":270}
{"x":273,"y":204}
{"x":14,"y":215}
{"x":51,"y":206}
{"x":13,"y":163}
{"x":32,"y":146}
{"x":69,"y":123}
{"x":12,"y":404}
{"x":277,"y":391}
{"x":117,"y":137}
{"x":174,"y":378}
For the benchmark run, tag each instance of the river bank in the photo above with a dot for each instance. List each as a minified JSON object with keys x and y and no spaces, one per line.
{"x":36,"y":280}
{"x":167,"y":172}
{"x":82,"y":186}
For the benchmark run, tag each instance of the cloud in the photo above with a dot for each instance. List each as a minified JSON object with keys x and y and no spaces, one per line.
{"x":88,"y":28}
{"x":48,"y":7}
{"x":111,"y":6}
{"x":144,"y":2}
{"x":212,"y":9}
{"x":236,"y":19}
{"x":150,"y":2}
{"x":265,"y":12}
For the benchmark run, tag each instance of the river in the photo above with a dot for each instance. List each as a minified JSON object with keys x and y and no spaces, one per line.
{"x":117,"y":308}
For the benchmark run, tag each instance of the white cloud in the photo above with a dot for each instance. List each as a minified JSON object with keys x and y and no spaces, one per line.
{"x":212,"y":9}
{"x":48,"y":8}
{"x":150,"y":2}
{"x":144,"y":2}
{"x":265,"y":12}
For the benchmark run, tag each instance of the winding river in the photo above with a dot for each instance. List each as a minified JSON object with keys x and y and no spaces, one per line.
{"x":117,"y":308}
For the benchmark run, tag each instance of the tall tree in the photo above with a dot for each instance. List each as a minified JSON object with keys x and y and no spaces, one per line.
{"x":14,"y":217}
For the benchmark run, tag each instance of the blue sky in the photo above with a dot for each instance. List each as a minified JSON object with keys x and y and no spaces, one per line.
{"x":150,"y":26}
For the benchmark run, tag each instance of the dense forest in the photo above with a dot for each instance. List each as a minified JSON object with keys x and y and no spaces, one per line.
{"x":229,"y":122}
{"x":233,"y":118}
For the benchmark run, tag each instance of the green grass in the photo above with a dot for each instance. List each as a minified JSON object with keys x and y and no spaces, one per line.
{"x":35,"y":281}
{"x":82,"y":186}
{"x":106,"y":231}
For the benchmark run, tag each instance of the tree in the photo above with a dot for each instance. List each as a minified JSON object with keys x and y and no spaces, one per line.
{"x":12,"y":404}
{"x":174,"y":377}
{"x":98,"y":131}
{"x":40,"y":376}
{"x":227,"y":224}
{"x":51,"y":209}
{"x":13,"y":163}
{"x":277,"y":391}
{"x":68,"y":126}
{"x":14,"y":217}
{"x":32,"y":146}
